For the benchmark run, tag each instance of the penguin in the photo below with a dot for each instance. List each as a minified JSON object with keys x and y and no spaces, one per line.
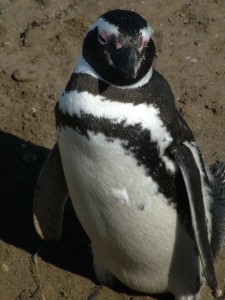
{"x":132,"y":168}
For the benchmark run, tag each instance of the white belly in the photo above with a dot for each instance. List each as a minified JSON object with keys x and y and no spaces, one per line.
{"x":134,"y":232}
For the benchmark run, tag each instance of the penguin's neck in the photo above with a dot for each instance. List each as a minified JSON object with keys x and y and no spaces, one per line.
{"x":83,"y":67}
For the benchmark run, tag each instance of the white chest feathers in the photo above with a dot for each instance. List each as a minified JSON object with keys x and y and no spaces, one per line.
{"x":132,"y":227}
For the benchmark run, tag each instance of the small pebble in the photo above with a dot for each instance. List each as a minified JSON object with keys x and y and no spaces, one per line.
{"x":4,"y":268}
{"x":24,"y":75}
{"x":33,"y":111}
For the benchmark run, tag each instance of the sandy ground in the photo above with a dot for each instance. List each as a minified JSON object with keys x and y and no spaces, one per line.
{"x":40,"y":41}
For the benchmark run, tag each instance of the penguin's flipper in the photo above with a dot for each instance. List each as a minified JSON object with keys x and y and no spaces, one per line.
{"x":50,"y":196}
{"x":191,"y":172}
{"x":216,"y":174}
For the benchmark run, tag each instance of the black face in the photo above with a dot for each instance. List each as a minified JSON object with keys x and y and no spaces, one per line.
{"x":123,"y":58}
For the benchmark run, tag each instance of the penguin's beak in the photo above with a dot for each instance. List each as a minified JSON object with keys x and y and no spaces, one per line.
{"x":126,"y":59}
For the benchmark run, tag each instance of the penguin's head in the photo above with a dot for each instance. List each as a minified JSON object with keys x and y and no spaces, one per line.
{"x":119,"y":47}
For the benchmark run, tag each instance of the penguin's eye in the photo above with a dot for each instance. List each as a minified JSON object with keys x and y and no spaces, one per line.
{"x":102,"y":38}
{"x":106,"y":37}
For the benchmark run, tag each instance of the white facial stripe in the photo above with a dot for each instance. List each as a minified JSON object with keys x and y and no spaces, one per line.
{"x":205,"y":188}
{"x":147,"y":32}
{"x":147,"y":116}
{"x":104,"y":26}
{"x":83,"y":67}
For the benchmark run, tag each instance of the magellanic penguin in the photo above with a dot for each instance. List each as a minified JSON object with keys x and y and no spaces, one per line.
{"x":133,"y":169}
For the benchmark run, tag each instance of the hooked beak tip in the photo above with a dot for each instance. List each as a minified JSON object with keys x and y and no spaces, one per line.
{"x":126,"y":60}
{"x":134,"y":73}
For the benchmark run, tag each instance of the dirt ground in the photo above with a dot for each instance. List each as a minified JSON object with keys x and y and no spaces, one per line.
{"x":40,"y":41}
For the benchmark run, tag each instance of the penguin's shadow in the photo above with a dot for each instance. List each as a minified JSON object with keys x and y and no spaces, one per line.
{"x":21,"y":163}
